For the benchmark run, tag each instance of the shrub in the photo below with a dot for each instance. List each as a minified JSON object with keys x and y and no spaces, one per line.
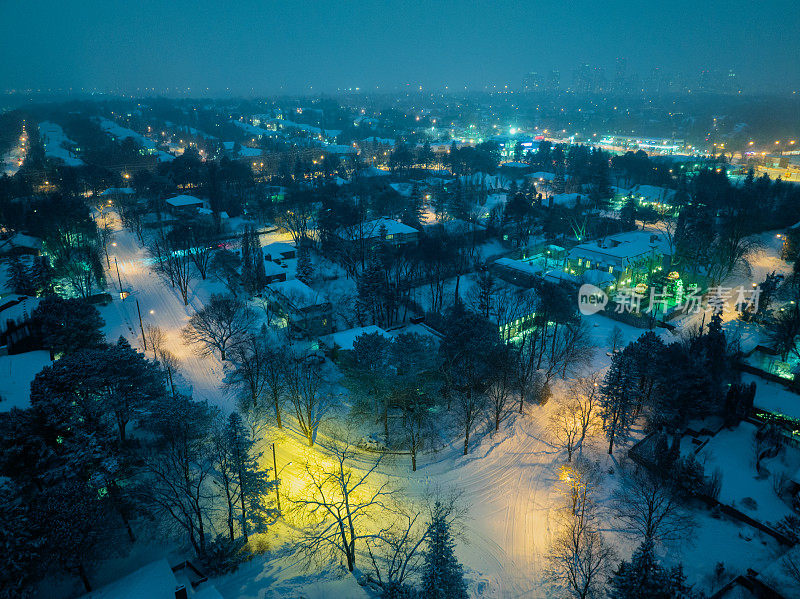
{"x":224,"y":556}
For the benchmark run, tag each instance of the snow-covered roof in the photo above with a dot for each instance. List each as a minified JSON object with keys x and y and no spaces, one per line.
{"x":339,"y":149}
{"x":543,"y":175}
{"x":622,"y":246}
{"x":277,"y":247}
{"x":774,"y":398}
{"x":118,"y":191}
{"x":653,"y":193}
{"x":559,"y":276}
{"x":18,"y":310}
{"x":569,"y":200}
{"x":298,"y":294}
{"x":346,"y":339}
{"x":598,"y":278}
{"x":252,"y":130}
{"x":526,"y":267}
{"x":272,"y":269}
{"x":154,"y":581}
{"x":380,"y":140}
{"x":393,"y":227}
{"x":20,"y":240}
{"x":248,"y":152}
{"x":182,"y":201}
{"x":404,"y":189}
{"x":372,"y":171}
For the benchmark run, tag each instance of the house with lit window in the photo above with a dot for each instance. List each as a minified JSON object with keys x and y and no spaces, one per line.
{"x":306,"y":311}
{"x":515,"y":314}
{"x":629,"y":257}
{"x":382,"y":229}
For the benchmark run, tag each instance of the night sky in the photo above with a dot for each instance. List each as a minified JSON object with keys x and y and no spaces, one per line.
{"x":297,"y":47}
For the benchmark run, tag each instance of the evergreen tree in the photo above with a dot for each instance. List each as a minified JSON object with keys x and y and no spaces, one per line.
{"x":644,"y":578}
{"x":442,"y":575}
{"x":617,"y":403}
{"x":628,"y":213}
{"x":41,"y":276}
{"x":259,"y":272}
{"x":21,"y":277}
{"x":254,"y":484}
{"x":67,"y":325}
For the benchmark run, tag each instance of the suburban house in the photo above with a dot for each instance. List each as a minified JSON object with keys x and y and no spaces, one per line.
{"x":278,"y":251}
{"x":345,"y":340}
{"x":22,"y":244}
{"x":630,"y":257}
{"x":157,"y":580}
{"x":525,"y":271}
{"x":275,"y":272}
{"x":183,"y":203}
{"x":15,"y":321}
{"x":305,"y":310}
{"x":516,"y":313}
{"x":392,"y":231}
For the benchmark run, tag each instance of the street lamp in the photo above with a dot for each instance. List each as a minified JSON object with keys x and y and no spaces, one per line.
{"x":277,"y":476}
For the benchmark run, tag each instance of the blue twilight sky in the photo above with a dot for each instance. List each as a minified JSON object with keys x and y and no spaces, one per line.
{"x":271,"y":46}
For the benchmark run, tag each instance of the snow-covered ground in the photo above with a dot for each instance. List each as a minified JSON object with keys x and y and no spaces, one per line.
{"x":509,"y":480}
{"x":55,"y":140}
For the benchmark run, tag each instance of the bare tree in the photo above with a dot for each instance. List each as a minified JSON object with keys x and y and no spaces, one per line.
{"x":570,"y":351}
{"x":340,"y":506}
{"x":649,"y":508}
{"x":172,"y":260}
{"x":791,"y":566}
{"x":579,"y":559}
{"x":224,"y":267}
{"x":224,"y":321}
{"x":500,"y":392}
{"x":767,"y":443}
{"x":583,"y":396}
{"x":276,"y":370}
{"x":396,"y":554}
{"x":416,"y":423}
{"x":309,"y":400}
{"x":201,"y":247}
{"x":169,"y":362}
{"x":179,"y":469}
{"x":248,"y":376}
{"x":565,"y":427}
{"x":470,"y":406}
{"x":156,"y":338}
{"x":615,"y":338}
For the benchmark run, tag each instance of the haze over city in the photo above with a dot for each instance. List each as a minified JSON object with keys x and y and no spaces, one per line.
{"x":251,"y":47}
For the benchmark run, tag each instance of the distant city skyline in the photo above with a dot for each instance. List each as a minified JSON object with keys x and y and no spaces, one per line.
{"x":279,"y":47}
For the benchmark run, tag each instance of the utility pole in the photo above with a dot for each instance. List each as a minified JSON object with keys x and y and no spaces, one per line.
{"x":275,"y":466}
{"x":119,"y":279}
{"x":141,"y":326}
